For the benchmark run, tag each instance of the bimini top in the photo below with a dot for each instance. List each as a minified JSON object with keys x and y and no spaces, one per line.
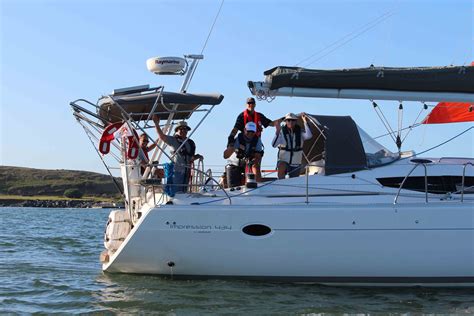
{"x":139,"y":105}
{"x":453,"y":83}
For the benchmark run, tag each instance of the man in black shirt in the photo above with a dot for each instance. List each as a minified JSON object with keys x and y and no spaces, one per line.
{"x":250,"y":115}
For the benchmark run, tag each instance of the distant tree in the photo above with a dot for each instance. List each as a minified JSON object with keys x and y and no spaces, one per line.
{"x":73,"y":194}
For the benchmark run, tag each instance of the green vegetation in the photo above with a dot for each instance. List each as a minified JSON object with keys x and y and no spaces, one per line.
{"x":54,"y":183}
{"x":73,"y":193}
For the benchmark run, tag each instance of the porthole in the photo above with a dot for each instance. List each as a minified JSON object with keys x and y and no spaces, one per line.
{"x":257,"y":230}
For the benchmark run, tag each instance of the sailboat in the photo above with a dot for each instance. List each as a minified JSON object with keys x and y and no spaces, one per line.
{"x":357,"y":215}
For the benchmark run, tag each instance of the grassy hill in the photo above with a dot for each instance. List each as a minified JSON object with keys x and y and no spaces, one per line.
{"x":34,"y":182}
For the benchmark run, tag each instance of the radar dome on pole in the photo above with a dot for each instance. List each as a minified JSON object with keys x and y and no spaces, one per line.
{"x":167,"y":65}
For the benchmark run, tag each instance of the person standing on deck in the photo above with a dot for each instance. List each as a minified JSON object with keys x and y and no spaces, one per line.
{"x":183,"y":158}
{"x":289,"y":139}
{"x":261,"y":121}
{"x":143,"y":152}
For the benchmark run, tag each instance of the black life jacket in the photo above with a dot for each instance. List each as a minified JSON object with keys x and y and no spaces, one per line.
{"x":245,"y":151}
{"x":289,"y":140}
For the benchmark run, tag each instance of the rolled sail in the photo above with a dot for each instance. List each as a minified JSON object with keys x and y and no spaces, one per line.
{"x":452,"y":83}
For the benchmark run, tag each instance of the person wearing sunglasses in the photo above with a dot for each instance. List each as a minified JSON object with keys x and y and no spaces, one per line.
{"x":260,"y":121}
{"x":183,"y":155}
{"x":289,"y":139}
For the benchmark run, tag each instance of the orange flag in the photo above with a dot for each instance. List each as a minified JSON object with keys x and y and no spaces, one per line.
{"x":450,"y":112}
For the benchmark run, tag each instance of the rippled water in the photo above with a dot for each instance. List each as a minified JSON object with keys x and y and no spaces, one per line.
{"x":49,"y":262}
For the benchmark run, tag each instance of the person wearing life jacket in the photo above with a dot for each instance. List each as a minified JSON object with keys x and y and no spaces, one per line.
{"x":289,"y":139}
{"x":247,"y":148}
{"x":183,"y":157}
{"x":261,"y":122}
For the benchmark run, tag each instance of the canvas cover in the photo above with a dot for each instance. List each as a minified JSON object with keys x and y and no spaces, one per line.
{"x":424,"y":79}
{"x":139,"y":105}
{"x":342,"y":149}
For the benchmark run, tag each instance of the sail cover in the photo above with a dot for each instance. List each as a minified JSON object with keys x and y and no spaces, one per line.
{"x":138,"y":106}
{"x":450,"y":112}
{"x":458,"y":79}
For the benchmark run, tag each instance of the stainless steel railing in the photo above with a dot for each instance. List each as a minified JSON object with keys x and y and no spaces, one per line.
{"x":417,"y":162}
{"x":463,"y":178}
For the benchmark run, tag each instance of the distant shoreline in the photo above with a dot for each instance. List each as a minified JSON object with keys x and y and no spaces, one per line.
{"x":30,"y":187}
{"x":47,"y":203}
{"x":6,"y":201}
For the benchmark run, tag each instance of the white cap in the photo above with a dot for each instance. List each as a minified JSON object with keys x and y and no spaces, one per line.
{"x":251,"y":127}
{"x":291,"y":116}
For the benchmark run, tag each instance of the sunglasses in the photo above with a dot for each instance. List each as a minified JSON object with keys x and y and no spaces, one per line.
{"x":250,"y":102}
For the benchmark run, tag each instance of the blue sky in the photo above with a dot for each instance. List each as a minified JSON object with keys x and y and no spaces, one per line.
{"x":53,"y":52}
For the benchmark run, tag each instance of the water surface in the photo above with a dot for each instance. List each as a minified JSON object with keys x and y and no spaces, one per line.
{"x":49,"y":263}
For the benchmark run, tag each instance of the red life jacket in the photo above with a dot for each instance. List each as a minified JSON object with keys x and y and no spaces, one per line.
{"x":254,"y":118}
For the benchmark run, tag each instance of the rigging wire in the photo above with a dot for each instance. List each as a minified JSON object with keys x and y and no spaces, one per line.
{"x":425,"y":107}
{"x":117,"y":186}
{"x":347,"y":38}
{"x":391,"y":133}
{"x":384,"y":120}
{"x":212,"y":27}
{"x":339,"y":40}
{"x":441,"y":144}
{"x":206,"y":41}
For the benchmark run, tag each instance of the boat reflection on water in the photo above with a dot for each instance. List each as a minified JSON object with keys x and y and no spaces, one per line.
{"x":161,"y":294}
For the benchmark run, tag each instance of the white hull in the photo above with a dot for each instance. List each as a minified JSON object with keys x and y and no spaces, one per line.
{"x":381,"y":244}
{"x":359,"y":215}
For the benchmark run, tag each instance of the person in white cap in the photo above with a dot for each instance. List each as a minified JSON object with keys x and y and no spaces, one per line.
{"x":261,"y":121}
{"x":289,"y":139}
{"x":247,"y":146}
{"x":183,"y":157}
